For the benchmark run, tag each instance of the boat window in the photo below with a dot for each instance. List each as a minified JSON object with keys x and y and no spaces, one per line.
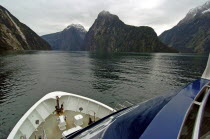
{"x":197,"y":121}
{"x":187,"y":129}
{"x":201,"y":95}
{"x":205,"y":128}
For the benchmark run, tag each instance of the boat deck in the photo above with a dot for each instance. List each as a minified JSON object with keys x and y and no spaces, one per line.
{"x":51,"y":129}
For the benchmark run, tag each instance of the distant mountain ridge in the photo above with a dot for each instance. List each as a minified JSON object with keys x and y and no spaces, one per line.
{"x":191,"y":34}
{"x":70,"y":39}
{"x":17,"y":36}
{"x":110,"y":34}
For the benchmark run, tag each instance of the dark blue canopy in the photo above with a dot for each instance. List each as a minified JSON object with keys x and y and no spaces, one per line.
{"x":160,"y":117}
{"x":168,"y":121}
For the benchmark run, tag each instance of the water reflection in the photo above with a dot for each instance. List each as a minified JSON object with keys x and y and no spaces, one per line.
{"x":137,"y":77}
{"x":105,"y":70}
{"x":4,"y":85}
{"x":7,"y":80}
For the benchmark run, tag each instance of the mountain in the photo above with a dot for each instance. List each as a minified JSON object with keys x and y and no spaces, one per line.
{"x":17,"y":36}
{"x":109,"y":33}
{"x":71,"y":38}
{"x":191,"y":34}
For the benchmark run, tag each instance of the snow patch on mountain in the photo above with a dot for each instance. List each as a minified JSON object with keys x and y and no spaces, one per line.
{"x":200,"y":9}
{"x":206,"y":11}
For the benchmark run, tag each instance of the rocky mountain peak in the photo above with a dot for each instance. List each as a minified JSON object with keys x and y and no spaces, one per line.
{"x":104,"y":13}
{"x":105,"y":18}
{"x":76,"y":26}
{"x":107,"y":15}
{"x":197,"y":11}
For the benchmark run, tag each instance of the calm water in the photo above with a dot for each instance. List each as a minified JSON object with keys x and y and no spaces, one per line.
{"x":27,"y":76}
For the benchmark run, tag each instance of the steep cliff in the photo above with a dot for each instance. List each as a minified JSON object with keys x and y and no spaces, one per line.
{"x":17,"y":36}
{"x":191,"y":34}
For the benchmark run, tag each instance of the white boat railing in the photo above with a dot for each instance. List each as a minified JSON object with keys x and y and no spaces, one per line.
{"x":124,"y":105}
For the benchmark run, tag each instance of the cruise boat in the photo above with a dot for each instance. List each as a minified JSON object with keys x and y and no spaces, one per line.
{"x":181,"y":114}
{"x":57,"y":115}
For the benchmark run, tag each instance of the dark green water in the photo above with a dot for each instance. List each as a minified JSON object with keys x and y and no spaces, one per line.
{"x":25,"y":77}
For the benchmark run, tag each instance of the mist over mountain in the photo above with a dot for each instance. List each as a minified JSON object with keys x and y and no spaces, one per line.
{"x":191,"y":34}
{"x":70,"y":39}
{"x":109,"y":34}
{"x":17,"y":36}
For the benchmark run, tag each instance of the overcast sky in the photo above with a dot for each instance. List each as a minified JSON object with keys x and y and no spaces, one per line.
{"x":49,"y":16}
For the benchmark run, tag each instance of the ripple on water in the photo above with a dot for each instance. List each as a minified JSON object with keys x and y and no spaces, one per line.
{"x":25,"y":77}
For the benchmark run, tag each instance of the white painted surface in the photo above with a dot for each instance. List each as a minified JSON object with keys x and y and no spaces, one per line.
{"x":78,"y":120}
{"x":206,"y":74}
{"x":78,"y":117}
{"x":72,"y":130}
{"x":46,"y":106}
{"x":62,"y":119}
{"x":62,"y":123}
